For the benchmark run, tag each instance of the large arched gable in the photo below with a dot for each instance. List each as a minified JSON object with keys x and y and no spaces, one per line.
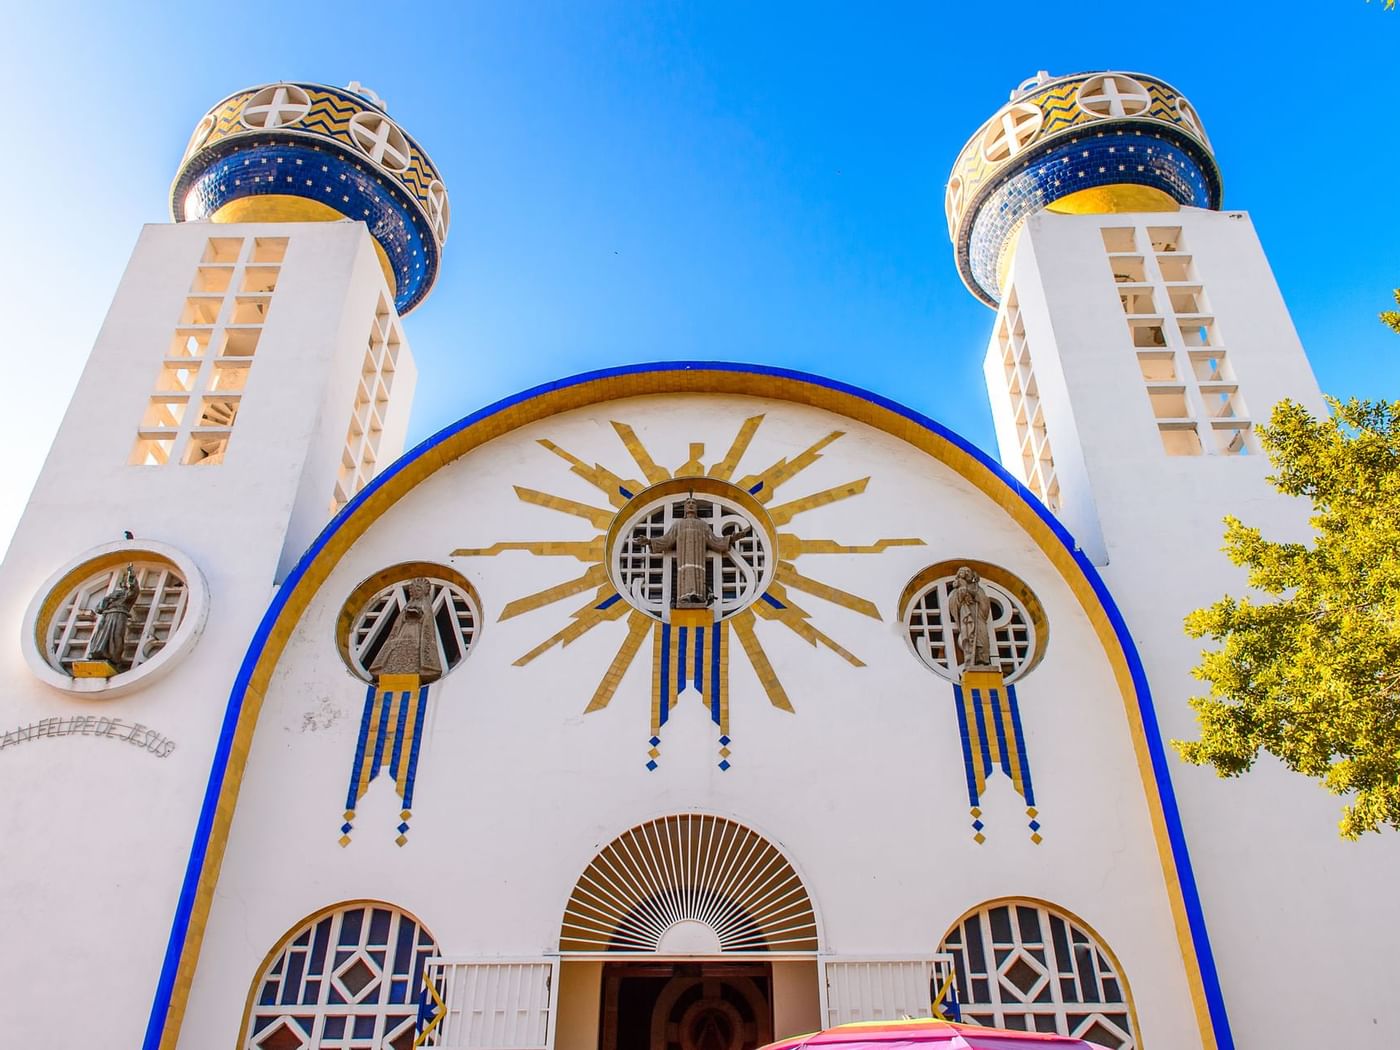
{"x":418,"y":464}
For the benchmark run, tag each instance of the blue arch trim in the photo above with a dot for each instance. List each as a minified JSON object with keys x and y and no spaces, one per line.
{"x":199,"y":849}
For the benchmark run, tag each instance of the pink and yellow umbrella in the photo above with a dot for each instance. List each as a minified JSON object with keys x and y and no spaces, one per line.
{"x":927,"y":1034}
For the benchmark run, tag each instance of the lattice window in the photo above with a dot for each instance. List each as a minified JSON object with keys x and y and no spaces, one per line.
{"x":359,"y":459}
{"x":1032,"y":969}
{"x":1037,"y":459}
{"x":455,"y":618}
{"x":648,"y":580}
{"x":211,"y":353}
{"x":156,"y":615}
{"x":934,"y":633}
{"x":348,"y":981}
{"x":1194,"y":399}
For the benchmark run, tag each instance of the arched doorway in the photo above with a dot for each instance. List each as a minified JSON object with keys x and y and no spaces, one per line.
{"x":690,"y":932}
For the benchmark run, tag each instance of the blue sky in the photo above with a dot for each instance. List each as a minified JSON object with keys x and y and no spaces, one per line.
{"x":631,"y":182}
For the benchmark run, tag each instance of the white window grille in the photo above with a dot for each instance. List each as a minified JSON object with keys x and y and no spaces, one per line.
{"x":934,"y":633}
{"x":359,"y":459}
{"x":498,"y":1004}
{"x":156,"y":615}
{"x":1027,"y":967}
{"x":275,"y":106}
{"x":455,"y":619}
{"x":861,"y":989}
{"x":648,"y":579}
{"x":689,"y":884}
{"x":1011,"y":132}
{"x":1113,"y":95}
{"x":1027,"y":412}
{"x":350,"y":980}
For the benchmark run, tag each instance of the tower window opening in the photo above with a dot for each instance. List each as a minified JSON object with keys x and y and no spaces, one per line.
{"x":1233,"y":439}
{"x":359,"y":460}
{"x":1165,"y":238}
{"x":1137,"y":300}
{"x":1169,"y":402}
{"x":1189,"y":300}
{"x":1119,"y":239}
{"x":260,"y":279}
{"x":1157,"y":366}
{"x":189,"y":343}
{"x":212,"y":279}
{"x":202,"y":310}
{"x":164,"y":413}
{"x":223,"y":249}
{"x":1223,"y":401}
{"x":240,"y":342}
{"x":1147,"y":333}
{"x":269,"y":249}
{"x":1033,"y":440}
{"x":151,"y":451}
{"x":1180,"y":439}
{"x":1128,"y":269}
{"x":229,"y":377}
{"x":250,"y":310}
{"x":206,"y":449}
{"x":1176,"y":267}
{"x":1211,"y":367}
{"x":1198,"y":331}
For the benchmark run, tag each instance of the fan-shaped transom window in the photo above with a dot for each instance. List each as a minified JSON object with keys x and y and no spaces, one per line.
{"x":647,"y":579}
{"x":350,"y":978}
{"x":690,"y":884}
{"x":934,"y":632}
{"x":455,"y":619}
{"x":1031,"y":968}
{"x":156,"y":614}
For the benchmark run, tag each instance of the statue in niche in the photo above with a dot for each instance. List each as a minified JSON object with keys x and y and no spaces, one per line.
{"x":412,"y":646}
{"x":971,"y":610}
{"x":692,"y":540}
{"x":113,"y":612}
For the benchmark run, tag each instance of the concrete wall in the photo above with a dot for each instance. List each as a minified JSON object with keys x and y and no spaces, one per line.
{"x":1286,"y":901}
{"x":863,"y":787}
{"x":97,"y":832}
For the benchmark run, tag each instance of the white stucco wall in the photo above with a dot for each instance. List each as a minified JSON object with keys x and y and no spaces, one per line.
{"x":1288,"y":904}
{"x":96,"y":833}
{"x":863,"y":786}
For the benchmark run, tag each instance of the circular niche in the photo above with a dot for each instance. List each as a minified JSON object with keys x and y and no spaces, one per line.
{"x":1018,"y":626}
{"x":368,"y":617}
{"x":1011,"y":131}
{"x":160,"y":609}
{"x":737,"y":577}
{"x":380,"y":139}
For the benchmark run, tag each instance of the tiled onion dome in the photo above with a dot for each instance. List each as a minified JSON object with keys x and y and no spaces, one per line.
{"x":296,"y":152}
{"x":1086,"y":143}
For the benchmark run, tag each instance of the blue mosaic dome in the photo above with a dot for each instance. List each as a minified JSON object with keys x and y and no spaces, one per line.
{"x":296,"y":152}
{"x":1086,"y":143}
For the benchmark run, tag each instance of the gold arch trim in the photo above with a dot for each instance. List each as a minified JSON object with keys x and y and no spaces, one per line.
{"x":552,"y":401}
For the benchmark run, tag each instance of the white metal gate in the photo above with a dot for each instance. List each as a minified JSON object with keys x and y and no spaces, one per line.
{"x":865,"y":989}
{"x":494,"y":1004}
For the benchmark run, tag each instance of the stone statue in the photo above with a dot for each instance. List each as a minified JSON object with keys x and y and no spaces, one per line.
{"x":692,"y":540}
{"x":971,"y":610}
{"x":113,"y":611}
{"x":411,"y":647}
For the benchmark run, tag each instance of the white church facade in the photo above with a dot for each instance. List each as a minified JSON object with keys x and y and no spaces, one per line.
{"x":683,"y":706}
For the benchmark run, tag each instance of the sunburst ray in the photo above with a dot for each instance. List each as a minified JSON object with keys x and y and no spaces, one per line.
{"x":792,"y":546}
{"x":654,"y":474}
{"x":763,"y":484}
{"x":606,"y":605}
{"x":618,"y":490}
{"x":798,"y":621}
{"x":638,"y":626}
{"x":583,"y":550}
{"x":783,"y":514}
{"x":724,"y":469}
{"x":596,"y":574}
{"x":598,"y":517}
{"x":742,"y":624}
{"x":788,"y":574}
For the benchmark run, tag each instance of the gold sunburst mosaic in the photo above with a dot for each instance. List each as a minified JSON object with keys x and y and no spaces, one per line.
{"x":750,"y":571}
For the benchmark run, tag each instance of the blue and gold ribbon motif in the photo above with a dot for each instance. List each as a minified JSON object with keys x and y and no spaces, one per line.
{"x":391,"y":733}
{"x":989,"y":722}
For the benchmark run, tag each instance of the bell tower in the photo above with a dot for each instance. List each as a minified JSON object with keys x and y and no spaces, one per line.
{"x":251,"y":376}
{"x":1139,"y":338}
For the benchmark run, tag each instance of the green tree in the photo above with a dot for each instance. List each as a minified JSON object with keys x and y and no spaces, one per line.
{"x":1392,"y":317}
{"x":1312,"y":674}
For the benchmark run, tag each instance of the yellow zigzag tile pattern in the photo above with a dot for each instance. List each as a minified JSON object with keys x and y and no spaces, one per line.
{"x":329,"y":115}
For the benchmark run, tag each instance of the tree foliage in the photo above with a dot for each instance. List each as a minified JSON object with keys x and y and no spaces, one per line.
{"x":1392,"y":317}
{"x":1312,"y":675}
